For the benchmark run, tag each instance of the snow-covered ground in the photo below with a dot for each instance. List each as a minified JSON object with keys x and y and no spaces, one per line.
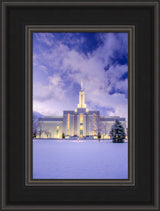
{"x":84,"y":159}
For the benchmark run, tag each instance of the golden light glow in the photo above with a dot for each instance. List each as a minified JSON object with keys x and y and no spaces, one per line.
{"x":57,"y":131}
{"x":94,"y":123}
{"x":81,"y":125}
{"x":68,"y":124}
{"x":81,"y":118}
{"x":106,"y":136}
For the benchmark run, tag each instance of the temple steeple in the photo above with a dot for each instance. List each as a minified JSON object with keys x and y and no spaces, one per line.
{"x":81,"y":97}
{"x":81,"y":84}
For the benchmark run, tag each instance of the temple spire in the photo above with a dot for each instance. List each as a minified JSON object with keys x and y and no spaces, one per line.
{"x":81,"y":97}
{"x":81,"y":84}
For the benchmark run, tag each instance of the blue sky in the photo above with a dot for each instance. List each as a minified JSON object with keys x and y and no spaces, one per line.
{"x":61,"y":60}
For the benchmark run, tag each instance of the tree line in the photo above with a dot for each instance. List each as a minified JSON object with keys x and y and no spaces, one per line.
{"x":117,"y":132}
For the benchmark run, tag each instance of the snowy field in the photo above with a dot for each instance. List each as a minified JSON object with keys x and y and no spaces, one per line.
{"x":85,"y":159}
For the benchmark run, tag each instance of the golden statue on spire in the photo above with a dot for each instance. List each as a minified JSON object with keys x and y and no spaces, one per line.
{"x":81,"y":84}
{"x":81,"y":97}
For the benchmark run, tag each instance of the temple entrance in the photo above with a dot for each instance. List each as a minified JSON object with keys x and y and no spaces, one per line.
{"x":81,"y":133}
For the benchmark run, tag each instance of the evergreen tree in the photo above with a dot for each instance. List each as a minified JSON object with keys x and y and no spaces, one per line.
{"x":117,"y":133}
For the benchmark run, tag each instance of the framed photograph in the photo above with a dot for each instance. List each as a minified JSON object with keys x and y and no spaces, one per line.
{"x":77,"y":129}
{"x":80,"y":105}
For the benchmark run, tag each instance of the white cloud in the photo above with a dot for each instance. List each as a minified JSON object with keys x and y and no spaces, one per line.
{"x":60,"y":61}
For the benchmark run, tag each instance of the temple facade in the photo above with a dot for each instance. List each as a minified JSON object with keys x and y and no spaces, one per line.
{"x":80,"y":122}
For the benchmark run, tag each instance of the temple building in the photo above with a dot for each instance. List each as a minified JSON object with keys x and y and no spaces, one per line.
{"x":80,"y":122}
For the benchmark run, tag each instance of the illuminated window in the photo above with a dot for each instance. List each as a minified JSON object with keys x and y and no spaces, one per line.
{"x":81,"y":125}
{"x":68,"y":124}
{"x":81,"y":118}
{"x":57,"y":131}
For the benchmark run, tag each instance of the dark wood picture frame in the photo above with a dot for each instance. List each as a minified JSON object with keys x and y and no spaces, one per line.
{"x":18,"y":191}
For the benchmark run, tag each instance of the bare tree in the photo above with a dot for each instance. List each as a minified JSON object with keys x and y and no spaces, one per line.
{"x":43,"y":130}
{"x":47,"y":132}
{"x":96,"y":126}
{"x":35,"y":123}
{"x":34,"y":127}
